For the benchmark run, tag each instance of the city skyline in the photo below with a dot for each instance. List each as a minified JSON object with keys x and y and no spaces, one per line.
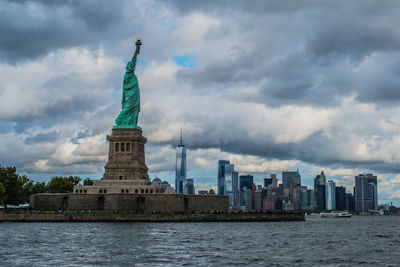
{"x":269,"y":87}
{"x":290,"y":194}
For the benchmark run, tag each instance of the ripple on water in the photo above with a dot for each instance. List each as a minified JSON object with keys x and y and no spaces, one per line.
{"x":366,"y":241}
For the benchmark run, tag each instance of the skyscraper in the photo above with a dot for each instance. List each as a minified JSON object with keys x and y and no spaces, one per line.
{"x":311,"y":198}
{"x":246,"y":188}
{"x":267,"y":182}
{"x":271,"y":182}
{"x":330,"y":195}
{"x":180,"y":171}
{"x":228,"y":188}
{"x":245,"y":198}
{"x":274,"y":184}
{"x":221,"y":176}
{"x":320,"y":179}
{"x":227,"y":180}
{"x":320,"y":197}
{"x":246,"y":181}
{"x":366,"y":192}
{"x":235,"y":187}
{"x":291,"y":187}
{"x":304,"y":200}
{"x":307,"y":198}
{"x":189,"y":187}
{"x":349,"y":202}
{"x":319,"y":188}
{"x":340,"y":198}
{"x":288,"y":178}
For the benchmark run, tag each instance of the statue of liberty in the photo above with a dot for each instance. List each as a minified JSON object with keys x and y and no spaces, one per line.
{"x":128,"y":117}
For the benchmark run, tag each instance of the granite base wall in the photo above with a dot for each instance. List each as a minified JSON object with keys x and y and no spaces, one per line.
{"x":204,"y":203}
{"x":49,"y":201}
{"x":129,"y":202}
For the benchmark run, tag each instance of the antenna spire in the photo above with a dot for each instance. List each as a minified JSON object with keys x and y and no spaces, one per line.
{"x":181,"y":138}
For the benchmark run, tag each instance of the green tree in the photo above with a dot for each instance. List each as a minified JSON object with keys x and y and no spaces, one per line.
{"x":61,"y":184}
{"x":88,"y":181}
{"x":3,"y":196}
{"x":14,"y":185}
{"x":31,"y":188}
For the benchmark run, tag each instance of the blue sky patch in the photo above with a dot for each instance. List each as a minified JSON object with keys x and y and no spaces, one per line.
{"x":6,"y":127}
{"x":170,"y":25}
{"x":187,"y":60}
{"x":141,"y":62}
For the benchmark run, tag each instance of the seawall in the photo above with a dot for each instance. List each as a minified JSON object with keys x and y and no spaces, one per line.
{"x":150,"y":217}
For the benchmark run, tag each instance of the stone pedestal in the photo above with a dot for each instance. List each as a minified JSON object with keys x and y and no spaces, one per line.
{"x":126,"y":170}
{"x":126,"y":157}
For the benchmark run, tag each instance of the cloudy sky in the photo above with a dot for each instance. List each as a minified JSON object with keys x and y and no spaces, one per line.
{"x":269,"y":85}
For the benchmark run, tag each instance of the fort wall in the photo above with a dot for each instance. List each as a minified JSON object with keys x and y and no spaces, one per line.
{"x":49,"y":201}
{"x":129,"y":202}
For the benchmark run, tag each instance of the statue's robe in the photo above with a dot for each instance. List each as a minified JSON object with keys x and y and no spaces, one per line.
{"x":128,"y":117}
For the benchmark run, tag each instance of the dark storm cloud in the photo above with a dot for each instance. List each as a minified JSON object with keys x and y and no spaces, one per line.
{"x":241,"y":66}
{"x":354,"y":33}
{"x":316,"y":149}
{"x":42,"y":138}
{"x":381,"y":91}
{"x":238,"y":144}
{"x":284,"y":7}
{"x":251,"y":6}
{"x":59,"y":110}
{"x":81,"y":135}
{"x":30,"y":29}
{"x":287,"y":80}
{"x":321,"y":149}
{"x":321,"y":46}
{"x":382,"y":83}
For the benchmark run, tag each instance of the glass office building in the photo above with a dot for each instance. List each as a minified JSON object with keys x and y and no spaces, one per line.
{"x":319,"y":187}
{"x":235,"y":187}
{"x":289,"y":178}
{"x":180,"y":170}
{"x":365,"y":192}
{"x":229,"y":172}
{"x":189,"y":187}
{"x":227,"y":180}
{"x":340,"y":198}
{"x":246,"y":181}
{"x":267,"y":182}
{"x":221,"y":176}
{"x":291,"y":187}
{"x":320,"y":197}
{"x":308,"y":201}
{"x":330,"y":195}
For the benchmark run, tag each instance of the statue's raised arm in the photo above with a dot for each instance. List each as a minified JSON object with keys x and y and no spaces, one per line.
{"x":137,"y":52}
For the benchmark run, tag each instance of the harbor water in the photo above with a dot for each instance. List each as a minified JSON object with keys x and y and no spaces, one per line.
{"x":359,"y":240}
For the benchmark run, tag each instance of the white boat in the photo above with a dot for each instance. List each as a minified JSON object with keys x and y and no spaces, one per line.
{"x":335,"y":214}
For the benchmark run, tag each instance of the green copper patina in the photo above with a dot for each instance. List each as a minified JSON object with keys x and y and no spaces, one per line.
{"x":128,"y":117}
